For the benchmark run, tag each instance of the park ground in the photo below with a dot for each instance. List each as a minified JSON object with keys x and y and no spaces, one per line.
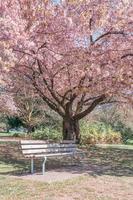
{"x":104,"y":173}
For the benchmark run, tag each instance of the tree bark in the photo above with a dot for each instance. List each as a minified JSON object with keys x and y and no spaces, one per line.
{"x":71,"y":130}
{"x":30,"y":129}
{"x":7,"y":129}
{"x":77,"y":131}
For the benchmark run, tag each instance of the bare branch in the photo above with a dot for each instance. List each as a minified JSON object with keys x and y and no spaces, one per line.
{"x":127,"y":55}
{"x":90,"y":108}
{"x":109,"y":33}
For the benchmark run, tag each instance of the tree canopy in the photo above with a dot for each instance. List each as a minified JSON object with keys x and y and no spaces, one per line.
{"x":75,"y":54}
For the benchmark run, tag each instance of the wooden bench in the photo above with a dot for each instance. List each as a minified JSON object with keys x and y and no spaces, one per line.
{"x":41,"y":149}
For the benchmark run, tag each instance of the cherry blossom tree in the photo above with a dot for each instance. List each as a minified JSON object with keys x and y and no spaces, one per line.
{"x":75,"y":54}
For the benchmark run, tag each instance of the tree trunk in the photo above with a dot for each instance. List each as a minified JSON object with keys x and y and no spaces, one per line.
{"x":7,"y":128}
{"x":71,"y":130}
{"x":30,"y":129}
{"x":77,"y":131}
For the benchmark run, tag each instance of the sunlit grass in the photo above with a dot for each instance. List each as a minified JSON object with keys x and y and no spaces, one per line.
{"x":14,"y":189}
{"x":117,"y":146}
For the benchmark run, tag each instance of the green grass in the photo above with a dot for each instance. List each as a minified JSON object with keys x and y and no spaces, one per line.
{"x":13,"y":189}
{"x":12,"y":134}
{"x":115,"y":146}
{"x":129,"y":142}
{"x":5,"y":168}
{"x":3,"y":134}
{"x":114,"y":159}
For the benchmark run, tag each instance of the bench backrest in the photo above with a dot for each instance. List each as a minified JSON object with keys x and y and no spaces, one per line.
{"x":36,"y":148}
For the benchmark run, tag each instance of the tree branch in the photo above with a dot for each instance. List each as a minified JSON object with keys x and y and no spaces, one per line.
{"x":90,"y":108}
{"x":49,"y":102}
{"x":127,"y":55}
{"x":109,"y":33}
{"x":80,"y":104}
{"x":48,"y":87}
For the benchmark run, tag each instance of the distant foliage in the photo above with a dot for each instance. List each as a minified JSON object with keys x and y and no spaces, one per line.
{"x":2,"y":126}
{"x":99,"y":133}
{"x":47,"y":133}
{"x":13,"y":122}
{"x":119,"y":120}
{"x":16,"y":135}
{"x":130,"y":142}
{"x":126,"y":132}
{"x":52,"y":120}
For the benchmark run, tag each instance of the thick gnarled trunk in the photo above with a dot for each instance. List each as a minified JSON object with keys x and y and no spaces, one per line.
{"x":71,"y":130}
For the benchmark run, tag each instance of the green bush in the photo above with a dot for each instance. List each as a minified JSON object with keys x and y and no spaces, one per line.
{"x":16,"y":135}
{"x":13,"y":122}
{"x":99,"y":133}
{"x":130,"y":142}
{"x":126,"y":132}
{"x":47,"y":133}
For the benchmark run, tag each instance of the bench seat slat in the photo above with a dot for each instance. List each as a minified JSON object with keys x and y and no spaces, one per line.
{"x":45,"y":142}
{"x":33,"y":142}
{"x":48,"y":150}
{"x":43,"y":146}
{"x":48,"y":155}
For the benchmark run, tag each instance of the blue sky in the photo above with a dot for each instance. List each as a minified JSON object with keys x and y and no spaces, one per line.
{"x":56,"y":2}
{"x":82,"y":41}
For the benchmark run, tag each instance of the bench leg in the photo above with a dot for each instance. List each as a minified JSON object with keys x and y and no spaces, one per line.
{"x":43,"y":165}
{"x":32,"y":165}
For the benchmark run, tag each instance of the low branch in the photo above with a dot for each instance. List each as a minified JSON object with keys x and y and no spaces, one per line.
{"x":90,"y":99}
{"x":51,"y":104}
{"x":114,"y":101}
{"x":80,"y":104}
{"x":90,"y":108}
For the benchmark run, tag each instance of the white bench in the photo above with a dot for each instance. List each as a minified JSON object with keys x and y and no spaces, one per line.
{"x":41,"y":149}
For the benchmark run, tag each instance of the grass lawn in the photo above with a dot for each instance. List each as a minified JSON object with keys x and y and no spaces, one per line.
{"x":5,"y":134}
{"x":116,"y":146}
{"x":110,"y":176}
{"x":11,"y":134}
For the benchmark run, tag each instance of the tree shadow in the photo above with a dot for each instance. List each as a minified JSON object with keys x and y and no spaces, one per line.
{"x":111,"y":161}
{"x":106,"y":161}
{"x":95,"y":161}
{"x":11,"y":159}
{"x":99,"y":161}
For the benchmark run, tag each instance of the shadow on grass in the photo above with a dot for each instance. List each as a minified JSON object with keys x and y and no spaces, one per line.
{"x":100,"y":161}
{"x":11,"y":159}
{"x":110,"y":161}
{"x":12,"y":162}
{"x":97,"y":161}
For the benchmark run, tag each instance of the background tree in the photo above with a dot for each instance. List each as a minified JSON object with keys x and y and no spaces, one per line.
{"x":76,"y":55}
{"x":30,"y":110}
{"x":29,"y":106}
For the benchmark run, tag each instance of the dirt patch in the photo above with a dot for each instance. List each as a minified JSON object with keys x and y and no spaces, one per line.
{"x":56,"y":175}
